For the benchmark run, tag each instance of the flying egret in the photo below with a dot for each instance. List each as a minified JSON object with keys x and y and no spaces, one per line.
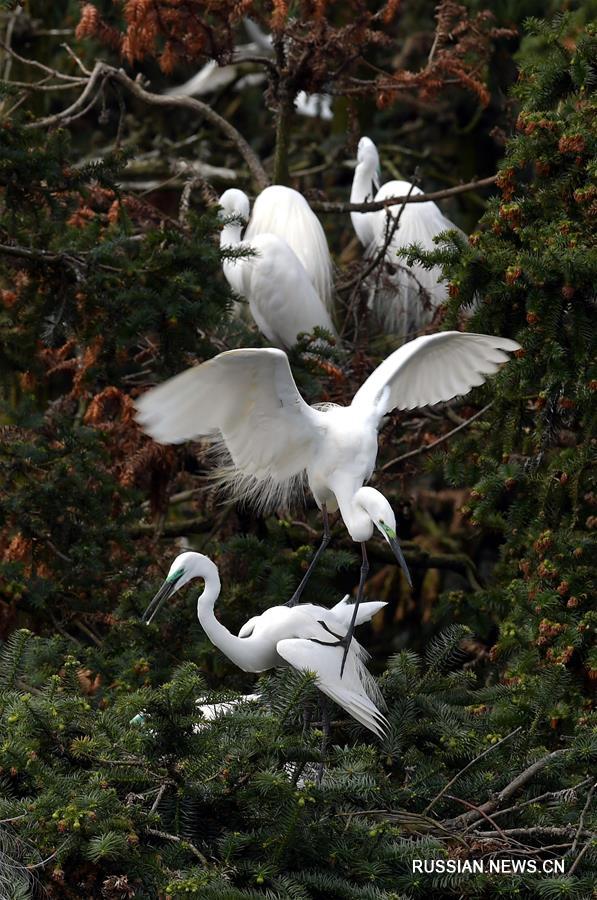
{"x":284,"y":212}
{"x":305,"y":637}
{"x":404,"y":298}
{"x":248,"y":402}
{"x":281,"y":297}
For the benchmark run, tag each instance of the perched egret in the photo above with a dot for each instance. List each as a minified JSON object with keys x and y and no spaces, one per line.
{"x":305,"y":637}
{"x":247,"y":400}
{"x":284,"y":212}
{"x":281,"y":297}
{"x":404,"y":298}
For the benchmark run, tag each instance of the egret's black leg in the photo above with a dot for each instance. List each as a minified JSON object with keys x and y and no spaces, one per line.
{"x":325,"y":541}
{"x":325,"y":727}
{"x":360,"y":592}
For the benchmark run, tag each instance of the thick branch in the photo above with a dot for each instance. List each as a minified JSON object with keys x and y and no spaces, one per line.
{"x":103,"y":72}
{"x":28,"y":253}
{"x":509,"y":790}
{"x":326,"y":206}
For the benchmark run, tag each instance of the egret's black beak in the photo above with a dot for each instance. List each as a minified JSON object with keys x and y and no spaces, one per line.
{"x":395,"y":545}
{"x":164,"y":593}
{"x":392,"y":539}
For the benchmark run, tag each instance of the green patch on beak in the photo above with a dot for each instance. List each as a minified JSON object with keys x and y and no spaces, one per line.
{"x":389,"y":532}
{"x":175,"y":576}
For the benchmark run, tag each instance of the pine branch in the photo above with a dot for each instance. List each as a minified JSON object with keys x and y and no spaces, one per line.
{"x":468,"y":766}
{"x":185,"y":844}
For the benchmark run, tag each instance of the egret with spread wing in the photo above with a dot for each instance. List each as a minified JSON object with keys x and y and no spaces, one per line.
{"x":404,"y":298}
{"x":304,"y":637}
{"x":248,"y":401}
{"x":280,"y":294}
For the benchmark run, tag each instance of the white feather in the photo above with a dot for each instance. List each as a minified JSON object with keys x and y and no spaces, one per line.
{"x":282,"y":299}
{"x":247,"y":398}
{"x":431,"y":369}
{"x":284,"y":212}
{"x":350,"y":691}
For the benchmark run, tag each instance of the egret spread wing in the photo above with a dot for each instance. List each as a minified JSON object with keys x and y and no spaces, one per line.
{"x":249,"y":397}
{"x":351,"y":692}
{"x":431,"y":369}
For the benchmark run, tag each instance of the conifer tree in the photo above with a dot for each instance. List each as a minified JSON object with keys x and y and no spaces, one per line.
{"x":113,"y":782}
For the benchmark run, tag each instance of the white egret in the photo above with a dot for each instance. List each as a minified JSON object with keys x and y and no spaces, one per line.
{"x":248,"y":402}
{"x":284,"y":212}
{"x":281,"y":297}
{"x":305,"y":637}
{"x":404,"y":298}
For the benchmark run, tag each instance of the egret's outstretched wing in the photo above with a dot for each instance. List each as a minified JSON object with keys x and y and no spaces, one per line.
{"x":349,"y":691}
{"x":433,"y":368}
{"x":249,"y":397}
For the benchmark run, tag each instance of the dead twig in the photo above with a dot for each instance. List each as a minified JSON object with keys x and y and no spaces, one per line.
{"x":581,"y":821}
{"x":425,"y":448}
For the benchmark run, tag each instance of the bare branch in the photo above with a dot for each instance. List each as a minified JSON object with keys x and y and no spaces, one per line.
{"x":425,"y":448}
{"x":74,"y":56}
{"x":103,"y":72}
{"x":37,"y":65}
{"x":581,"y":821}
{"x":327,"y":206}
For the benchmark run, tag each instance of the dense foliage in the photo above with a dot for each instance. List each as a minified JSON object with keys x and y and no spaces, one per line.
{"x":113,"y":782}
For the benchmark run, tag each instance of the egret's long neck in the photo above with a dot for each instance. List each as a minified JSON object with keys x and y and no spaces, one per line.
{"x":362,"y":183}
{"x":235,"y":648}
{"x":356,"y":519}
{"x":363,"y":189}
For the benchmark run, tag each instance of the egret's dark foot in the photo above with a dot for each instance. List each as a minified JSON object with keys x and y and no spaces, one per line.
{"x":348,"y":636}
{"x":346,"y":644}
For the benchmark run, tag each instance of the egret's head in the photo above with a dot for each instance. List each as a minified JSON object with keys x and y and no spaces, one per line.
{"x":235,"y":203}
{"x":382,"y":515}
{"x":185,"y":567}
